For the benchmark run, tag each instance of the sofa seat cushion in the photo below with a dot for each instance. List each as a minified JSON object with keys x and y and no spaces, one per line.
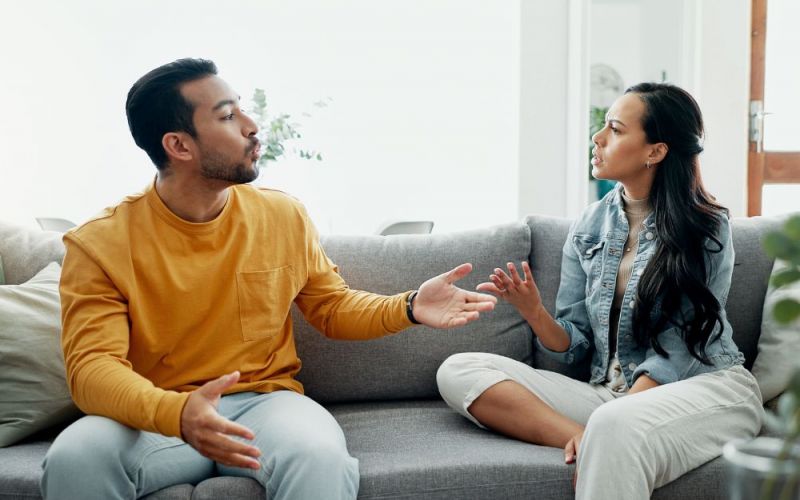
{"x":406,"y":450}
{"x":424,"y":450}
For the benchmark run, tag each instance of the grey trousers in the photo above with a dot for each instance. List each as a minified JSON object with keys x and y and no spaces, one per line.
{"x":634,"y":443}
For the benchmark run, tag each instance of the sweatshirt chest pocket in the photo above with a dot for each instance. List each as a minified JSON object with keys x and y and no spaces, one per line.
{"x":264,"y":301}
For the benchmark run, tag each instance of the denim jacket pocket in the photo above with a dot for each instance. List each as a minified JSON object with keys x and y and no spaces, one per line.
{"x":589,"y":250}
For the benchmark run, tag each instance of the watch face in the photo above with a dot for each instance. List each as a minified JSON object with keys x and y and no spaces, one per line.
{"x":606,"y":85}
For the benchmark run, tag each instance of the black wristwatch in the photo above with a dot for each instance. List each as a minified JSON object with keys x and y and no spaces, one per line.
{"x":410,"y":309}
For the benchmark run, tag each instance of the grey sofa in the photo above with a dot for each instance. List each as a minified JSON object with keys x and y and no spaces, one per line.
{"x":383,"y":392}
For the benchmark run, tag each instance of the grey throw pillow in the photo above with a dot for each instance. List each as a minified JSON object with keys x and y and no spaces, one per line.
{"x":33,"y":390}
{"x":26,"y":251}
{"x":778,"y":344}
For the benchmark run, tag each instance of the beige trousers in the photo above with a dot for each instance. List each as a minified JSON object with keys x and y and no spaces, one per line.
{"x":632,"y":443}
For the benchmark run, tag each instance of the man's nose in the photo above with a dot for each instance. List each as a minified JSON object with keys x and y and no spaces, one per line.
{"x":250,"y":126}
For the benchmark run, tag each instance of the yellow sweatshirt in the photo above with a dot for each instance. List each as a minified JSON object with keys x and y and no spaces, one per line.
{"x":154,"y":306}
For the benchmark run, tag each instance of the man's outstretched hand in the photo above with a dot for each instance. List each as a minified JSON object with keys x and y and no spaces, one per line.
{"x":210,"y":433}
{"x":441,"y":304}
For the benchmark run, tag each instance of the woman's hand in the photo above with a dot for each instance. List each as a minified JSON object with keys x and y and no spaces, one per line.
{"x":571,"y":451}
{"x":572,"y":448}
{"x":522,"y":294}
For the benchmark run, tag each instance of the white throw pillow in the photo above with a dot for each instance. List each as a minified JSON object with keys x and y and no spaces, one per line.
{"x":33,"y":390}
{"x":779,"y":345}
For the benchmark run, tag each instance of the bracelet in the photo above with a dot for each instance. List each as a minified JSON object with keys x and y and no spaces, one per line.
{"x":410,"y":309}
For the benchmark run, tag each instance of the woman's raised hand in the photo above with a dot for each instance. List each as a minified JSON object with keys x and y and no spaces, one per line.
{"x":522,"y":294}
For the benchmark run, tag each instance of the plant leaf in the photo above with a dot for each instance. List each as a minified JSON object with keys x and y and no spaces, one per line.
{"x":780,"y":246}
{"x":787,"y":406}
{"x":785,"y":277}
{"x":786,"y":311}
{"x":774,"y":423}
{"x":792,"y":228}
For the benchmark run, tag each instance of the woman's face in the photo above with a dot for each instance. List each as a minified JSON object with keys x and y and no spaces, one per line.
{"x":621,"y":150}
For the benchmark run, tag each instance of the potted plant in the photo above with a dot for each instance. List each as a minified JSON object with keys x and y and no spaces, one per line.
{"x":769,"y":467}
{"x":276,"y":129}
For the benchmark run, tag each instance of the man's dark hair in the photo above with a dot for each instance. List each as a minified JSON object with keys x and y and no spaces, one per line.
{"x":155,"y":105}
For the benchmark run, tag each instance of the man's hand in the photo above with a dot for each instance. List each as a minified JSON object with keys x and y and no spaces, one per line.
{"x":210,"y":434}
{"x":440,"y":304}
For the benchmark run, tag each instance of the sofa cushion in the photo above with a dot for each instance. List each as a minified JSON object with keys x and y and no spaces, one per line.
{"x":404,"y":365}
{"x":751,"y":270}
{"x":2,"y":273}
{"x":33,"y":393}
{"x":26,"y":251}
{"x":778,"y":344}
{"x":409,"y":450}
{"x":423,"y":449}
{"x":548,"y":235}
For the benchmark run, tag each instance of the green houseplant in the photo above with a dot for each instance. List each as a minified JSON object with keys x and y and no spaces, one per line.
{"x":769,"y":468}
{"x":275,"y":130}
{"x":597,"y":120}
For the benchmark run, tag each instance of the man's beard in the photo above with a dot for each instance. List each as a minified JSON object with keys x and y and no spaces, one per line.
{"x":214,"y":166}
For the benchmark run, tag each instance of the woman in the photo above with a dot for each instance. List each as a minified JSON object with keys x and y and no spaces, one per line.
{"x":644,"y":279}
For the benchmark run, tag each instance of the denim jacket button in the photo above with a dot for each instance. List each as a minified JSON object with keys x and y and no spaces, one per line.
{"x":649,"y":235}
{"x":632,"y":366}
{"x":639,"y":272}
{"x":632,"y":304}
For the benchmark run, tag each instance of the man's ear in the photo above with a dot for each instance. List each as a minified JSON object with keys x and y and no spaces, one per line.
{"x":178,"y":146}
{"x":657,"y":153}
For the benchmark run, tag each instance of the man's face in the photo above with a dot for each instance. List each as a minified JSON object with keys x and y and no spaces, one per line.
{"x":226,"y":137}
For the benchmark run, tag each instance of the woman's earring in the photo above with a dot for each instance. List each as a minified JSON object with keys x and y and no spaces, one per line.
{"x":648,"y":165}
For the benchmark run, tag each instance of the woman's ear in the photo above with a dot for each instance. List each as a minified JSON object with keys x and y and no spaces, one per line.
{"x":177,"y":145}
{"x":657,"y":153}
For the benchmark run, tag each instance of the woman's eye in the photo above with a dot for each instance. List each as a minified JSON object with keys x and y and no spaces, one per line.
{"x":228,"y":117}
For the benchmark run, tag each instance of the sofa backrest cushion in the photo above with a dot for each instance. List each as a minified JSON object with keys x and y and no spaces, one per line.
{"x":404,"y":365}
{"x":33,"y":392}
{"x":548,"y":235}
{"x":751,"y":273}
{"x":26,"y":251}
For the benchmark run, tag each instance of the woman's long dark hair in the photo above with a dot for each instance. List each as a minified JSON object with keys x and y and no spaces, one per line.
{"x":687,"y":221}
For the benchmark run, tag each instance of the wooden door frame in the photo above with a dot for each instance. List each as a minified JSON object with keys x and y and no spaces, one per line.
{"x":764,"y":167}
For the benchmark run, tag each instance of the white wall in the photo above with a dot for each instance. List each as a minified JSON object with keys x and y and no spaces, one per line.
{"x":422,"y":124}
{"x":450,"y":110}
{"x":723,"y":92}
{"x":542,"y":186}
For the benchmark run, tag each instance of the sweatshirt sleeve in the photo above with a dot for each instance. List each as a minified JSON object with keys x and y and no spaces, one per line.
{"x":95,"y":340}
{"x":339,"y":312}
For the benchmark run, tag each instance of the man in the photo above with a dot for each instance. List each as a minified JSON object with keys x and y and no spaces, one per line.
{"x":176,"y":328}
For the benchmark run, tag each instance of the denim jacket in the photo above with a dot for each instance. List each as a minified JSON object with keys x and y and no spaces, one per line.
{"x":590,"y":261}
